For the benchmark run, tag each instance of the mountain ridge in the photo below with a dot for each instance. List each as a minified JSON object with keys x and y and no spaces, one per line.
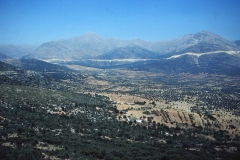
{"x":91,"y":45}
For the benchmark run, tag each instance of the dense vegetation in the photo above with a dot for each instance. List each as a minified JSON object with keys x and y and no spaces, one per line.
{"x":28,"y":125}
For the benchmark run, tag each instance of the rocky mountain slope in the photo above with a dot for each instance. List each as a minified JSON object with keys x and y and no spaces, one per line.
{"x":206,"y":42}
{"x":85,"y":46}
{"x":91,"y":45}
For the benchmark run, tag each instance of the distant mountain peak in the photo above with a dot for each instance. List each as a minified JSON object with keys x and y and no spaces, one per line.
{"x":205,"y":35}
{"x":205,"y":32}
{"x":89,"y":35}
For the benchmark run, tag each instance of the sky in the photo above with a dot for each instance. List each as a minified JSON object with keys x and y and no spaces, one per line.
{"x":38,"y":21}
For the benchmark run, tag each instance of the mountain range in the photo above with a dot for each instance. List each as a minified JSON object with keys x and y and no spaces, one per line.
{"x":200,"y":52}
{"x":91,"y":45}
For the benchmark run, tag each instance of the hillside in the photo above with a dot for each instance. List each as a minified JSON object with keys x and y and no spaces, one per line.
{"x":5,"y":67}
{"x":37,"y":65}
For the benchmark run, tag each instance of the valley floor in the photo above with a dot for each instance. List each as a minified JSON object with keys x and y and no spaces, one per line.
{"x":119,"y":114}
{"x":180,"y":96}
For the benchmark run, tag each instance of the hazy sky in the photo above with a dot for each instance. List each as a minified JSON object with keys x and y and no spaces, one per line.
{"x":37,"y":21}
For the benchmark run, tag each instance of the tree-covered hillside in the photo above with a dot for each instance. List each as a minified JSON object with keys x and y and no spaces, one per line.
{"x":39,"y":123}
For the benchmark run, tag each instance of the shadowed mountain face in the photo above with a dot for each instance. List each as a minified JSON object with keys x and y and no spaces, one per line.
{"x":212,"y":62}
{"x":37,"y":65}
{"x":5,"y":67}
{"x":91,"y":45}
{"x":128,"y":52}
{"x":237,"y":43}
